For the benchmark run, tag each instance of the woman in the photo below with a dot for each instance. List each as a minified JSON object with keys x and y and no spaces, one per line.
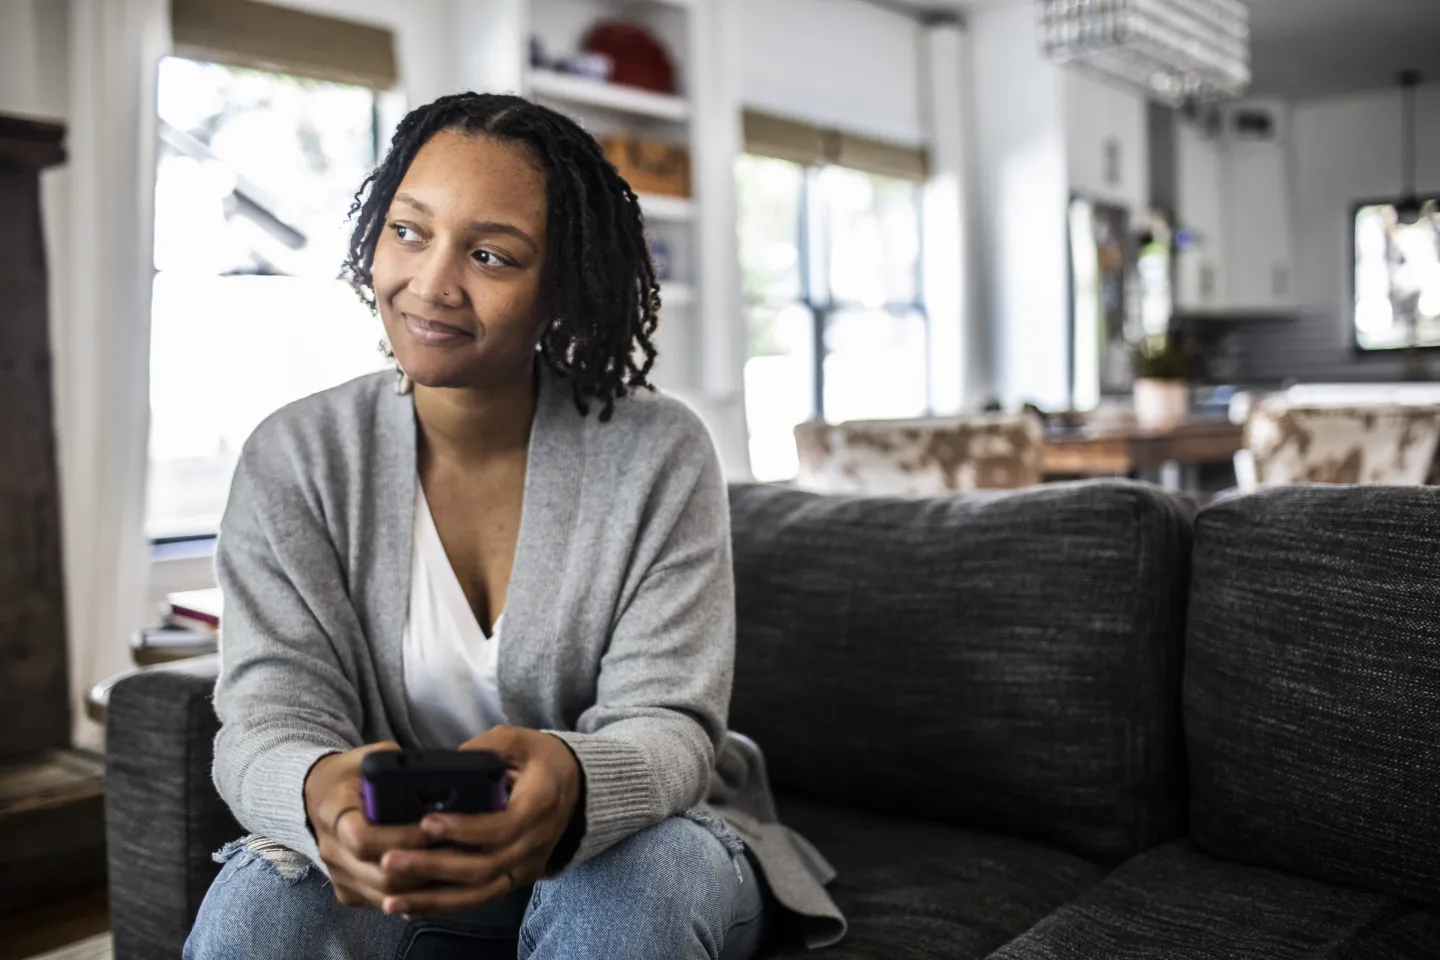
{"x":521,"y":549}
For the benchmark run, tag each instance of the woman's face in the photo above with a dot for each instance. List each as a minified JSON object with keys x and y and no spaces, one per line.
{"x":457,"y":268}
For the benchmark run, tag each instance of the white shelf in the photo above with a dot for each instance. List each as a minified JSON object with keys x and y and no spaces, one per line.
{"x":609,"y":96}
{"x":659,"y":207}
{"x":674,"y":294}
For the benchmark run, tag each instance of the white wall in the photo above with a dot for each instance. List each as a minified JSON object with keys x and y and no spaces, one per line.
{"x":959,"y":364}
{"x":489,"y":45}
{"x":1342,"y":150}
{"x":1098,"y":114}
{"x":19,"y":66}
{"x":1346,"y":150}
{"x":1024,"y":187}
{"x":840,"y":63}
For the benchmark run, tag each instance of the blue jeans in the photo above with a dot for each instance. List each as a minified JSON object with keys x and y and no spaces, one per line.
{"x":675,"y":891}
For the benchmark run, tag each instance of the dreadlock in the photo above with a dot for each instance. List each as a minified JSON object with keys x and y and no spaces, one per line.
{"x":599,"y":283}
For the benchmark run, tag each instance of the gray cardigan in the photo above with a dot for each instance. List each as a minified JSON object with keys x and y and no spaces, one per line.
{"x":619,"y":621}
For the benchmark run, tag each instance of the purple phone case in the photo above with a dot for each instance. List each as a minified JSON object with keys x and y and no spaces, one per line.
{"x":372,"y":803}
{"x":370,"y":792}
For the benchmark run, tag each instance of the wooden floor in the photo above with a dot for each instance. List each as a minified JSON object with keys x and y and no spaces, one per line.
{"x":37,"y":931}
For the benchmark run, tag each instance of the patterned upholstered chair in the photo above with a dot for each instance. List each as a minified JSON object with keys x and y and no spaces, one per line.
{"x":916,"y":458}
{"x":1289,"y":442}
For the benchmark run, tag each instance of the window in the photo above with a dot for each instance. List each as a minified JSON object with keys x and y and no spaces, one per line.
{"x":254,"y":181}
{"x":1397,"y":277}
{"x":830,"y":261}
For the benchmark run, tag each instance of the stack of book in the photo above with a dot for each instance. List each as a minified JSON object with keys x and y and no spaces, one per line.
{"x":190,"y":628}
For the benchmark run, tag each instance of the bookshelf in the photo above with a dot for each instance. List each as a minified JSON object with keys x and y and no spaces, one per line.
{"x":702,"y":333}
{"x":672,"y":209}
{"x":582,"y":92}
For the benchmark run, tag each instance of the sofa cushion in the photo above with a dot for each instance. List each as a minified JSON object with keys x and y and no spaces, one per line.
{"x":1178,"y":903}
{"x":916,"y":889}
{"x":1008,"y":662}
{"x":1312,"y":686}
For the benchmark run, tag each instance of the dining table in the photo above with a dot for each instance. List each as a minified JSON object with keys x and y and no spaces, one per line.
{"x":1128,"y":450}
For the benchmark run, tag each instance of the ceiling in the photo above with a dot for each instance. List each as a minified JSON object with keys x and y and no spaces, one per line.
{"x":1312,"y":48}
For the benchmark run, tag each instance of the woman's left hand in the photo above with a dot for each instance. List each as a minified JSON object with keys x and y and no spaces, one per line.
{"x":493,"y":853}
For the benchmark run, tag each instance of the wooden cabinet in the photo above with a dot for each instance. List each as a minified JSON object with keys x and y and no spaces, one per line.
{"x":52,"y":828}
{"x":1199,"y":174}
{"x":1234,"y":198}
{"x":34,"y":679}
{"x":1259,"y":252}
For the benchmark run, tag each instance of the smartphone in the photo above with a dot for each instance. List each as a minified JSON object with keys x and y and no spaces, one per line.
{"x":401,"y":786}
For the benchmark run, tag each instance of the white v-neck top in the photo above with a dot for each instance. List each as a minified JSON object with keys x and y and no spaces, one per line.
{"x":451,"y":668}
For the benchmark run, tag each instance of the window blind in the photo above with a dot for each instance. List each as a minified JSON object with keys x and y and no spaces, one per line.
{"x":769,"y":135}
{"x":245,"y":33}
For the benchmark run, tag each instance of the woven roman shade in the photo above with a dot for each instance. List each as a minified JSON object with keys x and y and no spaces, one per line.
{"x":244,"y":33}
{"x":769,"y":135}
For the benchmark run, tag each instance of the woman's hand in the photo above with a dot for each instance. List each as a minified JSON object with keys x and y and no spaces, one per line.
{"x":494,"y":852}
{"x":349,"y":844}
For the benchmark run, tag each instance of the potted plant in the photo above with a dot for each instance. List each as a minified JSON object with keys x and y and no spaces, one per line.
{"x":1162,"y":385}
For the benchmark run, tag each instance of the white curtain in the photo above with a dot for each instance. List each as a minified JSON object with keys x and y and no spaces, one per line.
{"x":101,"y":269}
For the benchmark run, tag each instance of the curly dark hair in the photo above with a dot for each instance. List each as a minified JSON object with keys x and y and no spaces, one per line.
{"x":599,"y":282}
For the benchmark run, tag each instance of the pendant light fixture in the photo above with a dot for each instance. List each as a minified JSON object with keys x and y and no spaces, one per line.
{"x":1174,"y":51}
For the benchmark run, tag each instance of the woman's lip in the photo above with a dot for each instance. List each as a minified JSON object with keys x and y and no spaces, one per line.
{"x":435,"y":334}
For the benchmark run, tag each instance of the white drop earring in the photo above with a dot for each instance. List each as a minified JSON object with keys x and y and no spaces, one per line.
{"x":403,"y":384}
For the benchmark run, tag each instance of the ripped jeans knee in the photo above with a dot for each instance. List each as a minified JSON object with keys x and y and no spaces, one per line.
{"x":289,"y":865}
{"x":271,"y":903}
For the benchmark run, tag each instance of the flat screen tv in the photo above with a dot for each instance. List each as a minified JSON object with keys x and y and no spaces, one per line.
{"x":1397,"y":276}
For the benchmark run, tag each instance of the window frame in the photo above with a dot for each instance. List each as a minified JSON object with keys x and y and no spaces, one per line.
{"x":1358,"y":349}
{"x":183,"y":560}
{"x":815,"y":297}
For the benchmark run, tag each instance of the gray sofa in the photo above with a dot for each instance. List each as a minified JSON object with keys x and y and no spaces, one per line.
{"x":1068,"y":722}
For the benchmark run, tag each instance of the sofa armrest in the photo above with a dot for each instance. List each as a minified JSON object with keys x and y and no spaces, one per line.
{"x":163,"y":817}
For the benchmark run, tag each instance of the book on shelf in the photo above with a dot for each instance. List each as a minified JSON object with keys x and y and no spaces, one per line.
{"x":195,"y":609}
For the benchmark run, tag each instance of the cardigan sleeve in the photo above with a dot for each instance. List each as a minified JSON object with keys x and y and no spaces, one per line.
{"x":647,"y":745}
{"x":285,"y":696}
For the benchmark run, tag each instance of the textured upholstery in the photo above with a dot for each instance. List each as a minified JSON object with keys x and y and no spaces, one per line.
{"x":1312,"y":685}
{"x":1310,"y":443}
{"x":163,"y":817}
{"x":972,"y":706}
{"x":913,"y":458}
{"x":1177,"y":903}
{"x":1005,"y":662}
{"x":912,"y":889}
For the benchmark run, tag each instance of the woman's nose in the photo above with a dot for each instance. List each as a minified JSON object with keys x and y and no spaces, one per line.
{"x":436,"y":281}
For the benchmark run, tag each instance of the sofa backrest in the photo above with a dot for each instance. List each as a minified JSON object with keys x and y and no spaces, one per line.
{"x":1003,"y":661}
{"x":1312,"y":685}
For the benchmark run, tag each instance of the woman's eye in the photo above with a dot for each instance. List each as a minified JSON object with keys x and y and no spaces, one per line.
{"x":404,"y":233}
{"x":487,"y":259}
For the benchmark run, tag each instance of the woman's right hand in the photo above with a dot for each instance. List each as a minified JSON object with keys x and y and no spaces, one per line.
{"x":349,"y":844}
